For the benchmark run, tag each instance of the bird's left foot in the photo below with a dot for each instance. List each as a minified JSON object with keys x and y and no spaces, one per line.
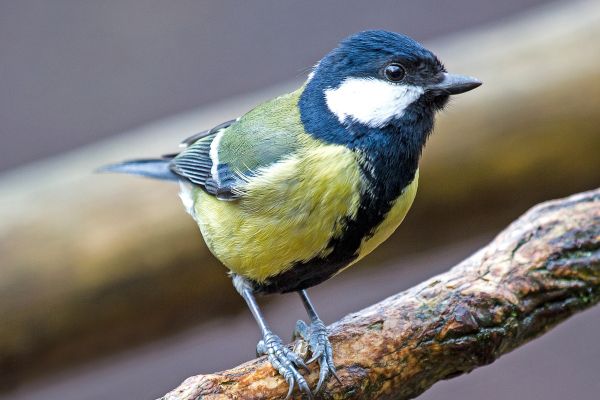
{"x":315,"y":335}
{"x":285,"y":361}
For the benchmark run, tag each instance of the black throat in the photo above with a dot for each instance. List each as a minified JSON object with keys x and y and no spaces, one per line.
{"x":388,"y":158}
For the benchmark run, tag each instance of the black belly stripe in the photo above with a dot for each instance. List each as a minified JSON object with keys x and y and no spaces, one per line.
{"x":373,"y":207}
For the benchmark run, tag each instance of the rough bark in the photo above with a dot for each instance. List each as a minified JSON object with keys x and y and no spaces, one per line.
{"x":540,"y":270}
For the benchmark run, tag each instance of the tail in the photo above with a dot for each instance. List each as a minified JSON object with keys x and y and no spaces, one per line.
{"x":156,"y":169}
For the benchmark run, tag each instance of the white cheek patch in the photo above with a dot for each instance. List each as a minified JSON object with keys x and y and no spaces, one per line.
{"x":372,"y":102}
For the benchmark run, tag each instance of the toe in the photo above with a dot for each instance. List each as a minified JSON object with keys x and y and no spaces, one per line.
{"x":303,"y":386}
{"x":296,"y":359}
{"x":323,"y":374}
{"x":301,"y":331}
{"x":316,"y":354}
{"x":261,"y":349}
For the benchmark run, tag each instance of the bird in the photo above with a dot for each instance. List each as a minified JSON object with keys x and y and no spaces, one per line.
{"x":307,"y":184}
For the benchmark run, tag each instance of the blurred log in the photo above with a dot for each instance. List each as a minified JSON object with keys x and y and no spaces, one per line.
{"x":83,"y":257}
{"x":540,"y":270}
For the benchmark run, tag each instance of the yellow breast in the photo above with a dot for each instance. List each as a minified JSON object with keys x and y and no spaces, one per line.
{"x":289,"y":212}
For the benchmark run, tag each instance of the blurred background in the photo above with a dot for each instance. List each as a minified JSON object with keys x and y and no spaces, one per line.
{"x":106,"y":288}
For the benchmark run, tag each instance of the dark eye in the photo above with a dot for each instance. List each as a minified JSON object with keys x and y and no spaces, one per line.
{"x":394,"y":72}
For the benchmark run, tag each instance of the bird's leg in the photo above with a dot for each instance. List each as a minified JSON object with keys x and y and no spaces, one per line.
{"x":284,"y":360}
{"x":315,"y":335}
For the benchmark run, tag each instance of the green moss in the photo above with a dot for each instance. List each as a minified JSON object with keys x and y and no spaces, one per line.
{"x":376,"y":326}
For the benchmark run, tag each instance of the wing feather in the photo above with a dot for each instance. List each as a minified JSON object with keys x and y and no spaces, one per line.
{"x":194,"y":138}
{"x":223,"y":159}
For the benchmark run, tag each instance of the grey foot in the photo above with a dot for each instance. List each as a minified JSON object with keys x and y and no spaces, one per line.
{"x":285,"y":361}
{"x":315,"y":335}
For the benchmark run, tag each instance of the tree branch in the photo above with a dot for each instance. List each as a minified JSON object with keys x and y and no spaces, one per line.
{"x":540,"y":270}
{"x":125,"y":265}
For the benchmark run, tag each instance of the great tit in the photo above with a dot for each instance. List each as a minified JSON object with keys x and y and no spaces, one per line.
{"x":305,"y":185}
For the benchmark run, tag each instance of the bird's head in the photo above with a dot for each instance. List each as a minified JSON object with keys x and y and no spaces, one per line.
{"x":375,"y":78}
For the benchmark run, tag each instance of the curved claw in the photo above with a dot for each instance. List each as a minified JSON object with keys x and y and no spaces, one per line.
{"x":331,"y":366}
{"x":299,"y":362}
{"x":290,"y":383}
{"x":316,"y":355}
{"x":285,"y":362}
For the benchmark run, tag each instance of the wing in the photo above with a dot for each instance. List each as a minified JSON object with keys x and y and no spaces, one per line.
{"x":223,"y":159}
{"x":194,"y":138}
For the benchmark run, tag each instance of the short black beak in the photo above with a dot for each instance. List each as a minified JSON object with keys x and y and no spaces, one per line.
{"x":454,"y":84}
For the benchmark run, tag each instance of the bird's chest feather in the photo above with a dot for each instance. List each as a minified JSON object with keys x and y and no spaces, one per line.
{"x":288,"y":213}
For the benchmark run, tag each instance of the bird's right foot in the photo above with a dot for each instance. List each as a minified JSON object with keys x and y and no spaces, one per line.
{"x":285,"y":361}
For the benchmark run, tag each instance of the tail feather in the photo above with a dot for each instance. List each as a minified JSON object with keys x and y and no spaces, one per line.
{"x":156,"y":169}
